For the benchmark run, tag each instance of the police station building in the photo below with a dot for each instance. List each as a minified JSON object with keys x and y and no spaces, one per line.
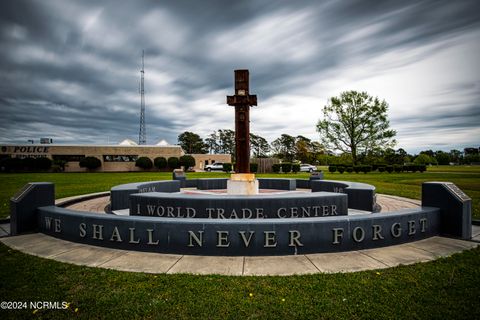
{"x":114,"y":158}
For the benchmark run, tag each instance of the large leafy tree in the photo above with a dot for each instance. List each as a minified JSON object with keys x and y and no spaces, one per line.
{"x":284,"y":147}
{"x":191,"y":143}
{"x":259,"y":146}
{"x":355,"y":122}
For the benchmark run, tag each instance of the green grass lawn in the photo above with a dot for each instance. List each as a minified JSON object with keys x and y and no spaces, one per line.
{"x":447,"y":288}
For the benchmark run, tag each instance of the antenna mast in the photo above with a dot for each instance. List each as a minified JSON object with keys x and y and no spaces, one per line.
{"x":142,"y":135}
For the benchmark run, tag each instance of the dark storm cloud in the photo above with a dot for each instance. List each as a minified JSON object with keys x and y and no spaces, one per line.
{"x":73,"y":66}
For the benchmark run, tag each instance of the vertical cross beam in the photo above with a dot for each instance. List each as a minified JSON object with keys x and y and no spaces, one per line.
{"x":242,"y":101}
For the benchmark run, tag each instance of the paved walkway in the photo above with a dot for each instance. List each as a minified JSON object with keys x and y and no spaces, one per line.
{"x":425,"y":250}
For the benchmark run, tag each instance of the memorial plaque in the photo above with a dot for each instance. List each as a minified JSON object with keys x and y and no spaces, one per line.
{"x":457,"y":192}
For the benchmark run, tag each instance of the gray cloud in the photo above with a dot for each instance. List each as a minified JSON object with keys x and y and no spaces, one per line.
{"x":70,"y":70}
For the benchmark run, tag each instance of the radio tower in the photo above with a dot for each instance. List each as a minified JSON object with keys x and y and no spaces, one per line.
{"x":142,"y":135}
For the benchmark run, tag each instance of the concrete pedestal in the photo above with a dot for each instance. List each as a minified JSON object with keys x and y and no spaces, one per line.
{"x":242,"y":184}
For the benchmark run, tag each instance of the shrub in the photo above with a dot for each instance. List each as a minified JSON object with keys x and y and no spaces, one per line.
{"x":28,"y":164}
{"x":366,"y":169}
{"x":173,"y":163}
{"x":397,"y":168}
{"x":421,"y":167}
{"x":227,"y":167}
{"x":332,"y":169}
{"x":11,"y":164}
{"x":341,"y":169}
{"x":187,"y":161}
{"x":357,"y":168}
{"x":286,"y":167}
{"x":144,"y":163}
{"x":91,"y":163}
{"x":349,"y":169}
{"x":43,"y":163}
{"x":295,"y":167}
{"x":381,"y":169}
{"x":409,"y":167}
{"x":253,"y":167}
{"x":389,"y":168}
{"x":160,"y":163}
{"x":276,"y":167}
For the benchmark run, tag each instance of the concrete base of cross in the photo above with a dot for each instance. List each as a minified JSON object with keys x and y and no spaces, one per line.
{"x":242,"y":184}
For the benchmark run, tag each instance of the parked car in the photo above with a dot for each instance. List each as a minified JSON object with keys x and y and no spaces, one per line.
{"x":217,"y":166}
{"x":305,"y":167}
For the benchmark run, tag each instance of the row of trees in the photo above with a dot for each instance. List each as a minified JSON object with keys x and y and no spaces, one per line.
{"x":354,"y":123}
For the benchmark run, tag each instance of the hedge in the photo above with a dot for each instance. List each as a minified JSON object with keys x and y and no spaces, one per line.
{"x":144,"y":163}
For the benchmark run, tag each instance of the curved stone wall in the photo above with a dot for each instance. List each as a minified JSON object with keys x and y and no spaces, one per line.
{"x":240,"y":237}
{"x":284,"y":205}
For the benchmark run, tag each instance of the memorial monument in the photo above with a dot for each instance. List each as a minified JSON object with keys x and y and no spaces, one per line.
{"x":242,"y":182}
{"x":230,"y":217}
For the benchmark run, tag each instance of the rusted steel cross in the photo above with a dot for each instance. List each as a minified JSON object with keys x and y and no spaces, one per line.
{"x":242,"y":101}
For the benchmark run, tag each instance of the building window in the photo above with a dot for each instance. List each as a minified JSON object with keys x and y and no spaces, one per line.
{"x":68,"y":157}
{"x":120,"y":158}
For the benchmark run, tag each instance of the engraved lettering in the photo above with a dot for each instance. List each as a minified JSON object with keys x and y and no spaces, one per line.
{"x":83,"y":230}
{"x":270,"y":241}
{"x":396,"y":230}
{"x":306,"y":211}
{"x":210,"y":211}
{"x":246,"y":213}
{"x":132,"y":236}
{"x":193,"y":236}
{"x":259,"y":213}
{"x":150,"y":237}
{"x":233,"y":215}
{"x":282,"y":211}
{"x":151,"y":210}
{"x":337,"y":235}
{"x":295,"y":238}
{"x":97,"y":231}
{"x":355,"y":235}
{"x":222,"y":239}
{"x":246,"y":241}
{"x":115,"y":235}
{"x":411,"y":227}
{"x":48,"y":223}
{"x":191,"y":213}
{"x":423,"y":224}
{"x":377,"y":232}
{"x":57,"y":226}
{"x":294,"y":212}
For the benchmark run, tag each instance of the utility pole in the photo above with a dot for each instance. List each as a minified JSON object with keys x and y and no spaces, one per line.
{"x":142,"y":135}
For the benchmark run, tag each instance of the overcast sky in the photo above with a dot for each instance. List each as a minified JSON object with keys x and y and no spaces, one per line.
{"x":69,"y":70}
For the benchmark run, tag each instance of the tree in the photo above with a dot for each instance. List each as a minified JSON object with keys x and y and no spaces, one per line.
{"x":187,"y":161}
{"x":284,"y":147}
{"x":423,"y":158}
{"x":259,"y":146}
{"x":191,"y":143}
{"x":212,"y":142}
{"x":226,"y":141}
{"x":355,"y":122}
{"x":442,"y":158}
